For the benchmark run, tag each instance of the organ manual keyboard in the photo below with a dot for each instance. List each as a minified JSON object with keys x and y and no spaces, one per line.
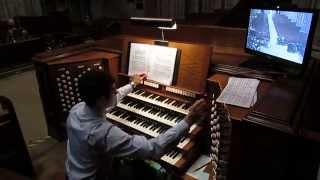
{"x":151,"y":109}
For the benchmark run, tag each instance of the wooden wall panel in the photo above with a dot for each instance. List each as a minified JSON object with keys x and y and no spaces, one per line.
{"x":194,"y":62}
{"x":212,"y":35}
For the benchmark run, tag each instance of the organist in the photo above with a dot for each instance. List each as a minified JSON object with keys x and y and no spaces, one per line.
{"x":93,"y":141}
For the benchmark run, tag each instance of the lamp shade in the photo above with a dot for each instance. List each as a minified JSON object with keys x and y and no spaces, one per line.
{"x":153,"y":22}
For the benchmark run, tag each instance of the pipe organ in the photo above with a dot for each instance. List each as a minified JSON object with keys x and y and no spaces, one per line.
{"x":150,"y":109}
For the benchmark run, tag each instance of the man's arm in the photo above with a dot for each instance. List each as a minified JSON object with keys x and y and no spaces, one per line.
{"x":120,"y":144}
{"x":123,"y":91}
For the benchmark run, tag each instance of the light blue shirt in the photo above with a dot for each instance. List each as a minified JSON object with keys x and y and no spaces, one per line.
{"x":93,"y":141}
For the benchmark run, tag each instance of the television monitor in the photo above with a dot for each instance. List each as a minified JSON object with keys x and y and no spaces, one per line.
{"x":282,"y":34}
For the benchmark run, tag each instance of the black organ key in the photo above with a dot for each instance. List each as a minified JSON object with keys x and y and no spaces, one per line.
{"x":153,"y":96}
{"x":161,"y":98}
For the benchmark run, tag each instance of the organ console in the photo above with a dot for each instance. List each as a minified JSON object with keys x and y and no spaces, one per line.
{"x":152,"y":110}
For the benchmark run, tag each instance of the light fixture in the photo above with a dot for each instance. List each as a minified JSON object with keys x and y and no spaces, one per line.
{"x":160,"y":23}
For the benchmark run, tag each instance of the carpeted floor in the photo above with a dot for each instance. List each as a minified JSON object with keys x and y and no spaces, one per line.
{"x":48,"y":156}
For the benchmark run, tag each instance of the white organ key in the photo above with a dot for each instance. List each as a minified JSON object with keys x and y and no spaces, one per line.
{"x":159,"y":103}
{"x":182,"y":144}
{"x":172,"y":157}
{"x":193,"y":127}
{"x":164,"y":100}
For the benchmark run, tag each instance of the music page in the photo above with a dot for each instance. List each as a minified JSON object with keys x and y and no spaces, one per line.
{"x":162,"y":64}
{"x":157,"y":62}
{"x":138,"y":59}
{"x":240,"y":92}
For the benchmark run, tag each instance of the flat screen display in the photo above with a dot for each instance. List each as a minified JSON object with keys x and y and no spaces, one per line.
{"x":279,"y":33}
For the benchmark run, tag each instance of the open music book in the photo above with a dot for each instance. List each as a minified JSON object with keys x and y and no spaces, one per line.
{"x":157,"y":62}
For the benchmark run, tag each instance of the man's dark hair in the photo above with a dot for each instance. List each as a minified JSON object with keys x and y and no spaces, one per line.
{"x":95,"y":84}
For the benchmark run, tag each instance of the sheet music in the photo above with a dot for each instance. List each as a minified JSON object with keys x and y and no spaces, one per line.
{"x":240,"y":92}
{"x":157,"y":62}
{"x":138,"y":59}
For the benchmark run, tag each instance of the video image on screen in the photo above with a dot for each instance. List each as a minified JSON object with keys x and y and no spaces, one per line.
{"x":283,"y":34}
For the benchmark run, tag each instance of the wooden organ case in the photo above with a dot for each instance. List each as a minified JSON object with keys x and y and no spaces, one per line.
{"x":58,"y":74}
{"x":152,"y":108}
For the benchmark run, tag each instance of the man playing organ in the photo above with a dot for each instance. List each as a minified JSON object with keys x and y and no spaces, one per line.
{"x":91,"y":136}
